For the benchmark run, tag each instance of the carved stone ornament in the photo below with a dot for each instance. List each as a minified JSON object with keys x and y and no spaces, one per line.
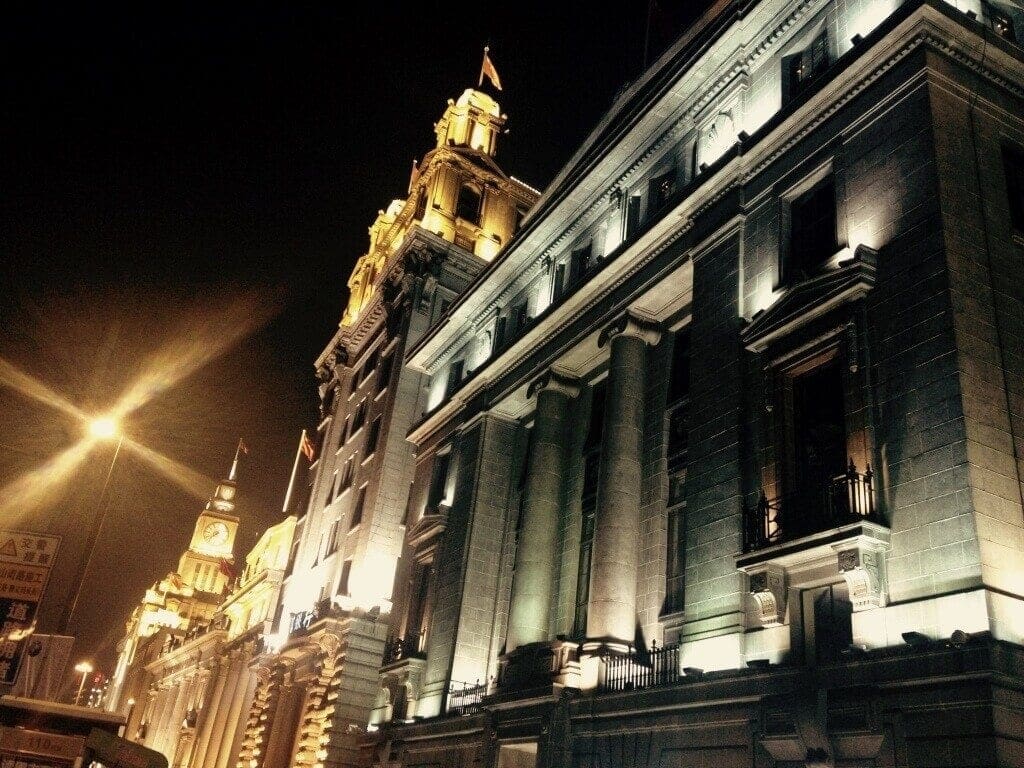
{"x":628,"y":324}
{"x":863,"y":571}
{"x":552,"y":379}
{"x":768,"y":590}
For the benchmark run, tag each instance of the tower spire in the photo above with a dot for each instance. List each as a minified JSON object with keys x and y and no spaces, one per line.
{"x":242,"y":448}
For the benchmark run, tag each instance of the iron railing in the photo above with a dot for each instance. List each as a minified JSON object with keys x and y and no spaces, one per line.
{"x":465,"y":698}
{"x":640,"y":669}
{"x":846,"y":498}
{"x":398,"y":648}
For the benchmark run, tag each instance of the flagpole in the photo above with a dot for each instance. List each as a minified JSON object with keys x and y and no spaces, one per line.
{"x":295,"y":468}
{"x":234,"y":464}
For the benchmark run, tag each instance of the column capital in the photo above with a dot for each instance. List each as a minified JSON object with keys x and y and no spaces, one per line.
{"x":628,"y":324}
{"x":556,"y":381}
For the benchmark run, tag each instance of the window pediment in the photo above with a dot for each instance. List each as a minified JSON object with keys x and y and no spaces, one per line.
{"x":811,"y":299}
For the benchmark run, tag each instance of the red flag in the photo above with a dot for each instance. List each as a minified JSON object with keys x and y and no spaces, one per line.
{"x":243,"y":447}
{"x":176,"y":581}
{"x":487,"y":69}
{"x":227,"y":568}
{"x":307,"y":448}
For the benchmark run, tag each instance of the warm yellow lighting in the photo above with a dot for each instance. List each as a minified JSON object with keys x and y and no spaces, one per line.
{"x":103,"y":428}
{"x":84,"y":667}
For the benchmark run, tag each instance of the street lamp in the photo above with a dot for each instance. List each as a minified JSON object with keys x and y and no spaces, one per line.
{"x":104,"y":428}
{"x":85,"y":668}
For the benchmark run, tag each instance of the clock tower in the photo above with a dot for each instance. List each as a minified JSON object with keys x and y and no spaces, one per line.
{"x":213,"y":539}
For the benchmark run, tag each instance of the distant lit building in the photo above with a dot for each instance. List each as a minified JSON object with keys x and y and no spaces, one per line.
{"x":719,"y":462}
{"x":317,"y":689}
{"x":185,"y":676}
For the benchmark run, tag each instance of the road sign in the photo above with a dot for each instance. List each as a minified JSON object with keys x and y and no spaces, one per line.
{"x":25,"y":563}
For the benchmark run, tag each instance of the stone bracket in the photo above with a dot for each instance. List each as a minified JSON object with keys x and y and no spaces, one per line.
{"x":629,"y":324}
{"x":863,"y":569}
{"x":768,"y":590}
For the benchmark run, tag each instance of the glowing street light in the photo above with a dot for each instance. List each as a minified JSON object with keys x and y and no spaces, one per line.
{"x":84,"y":667}
{"x":104,"y":428}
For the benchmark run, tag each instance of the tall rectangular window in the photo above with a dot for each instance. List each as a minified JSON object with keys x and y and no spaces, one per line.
{"x":358,"y":418}
{"x":591,"y":468}
{"x":632,"y":216}
{"x":439,"y":480}
{"x":387,"y":366}
{"x":674,"y":579}
{"x":803,"y":67}
{"x":579,"y":262}
{"x":454,"y":377}
{"x":812,"y":236}
{"x":500,"y":326}
{"x":332,"y":538}
{"x":469,"y":204}
{"x":357,"y":508}
{"x":373,"y":436}
{"x":558,"y":282}
{"x":346,"y":573}
{"x":1013,"y":168}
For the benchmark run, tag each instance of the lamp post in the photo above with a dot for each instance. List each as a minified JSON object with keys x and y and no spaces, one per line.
{"x":84,"y":667}
{"x":123,"y":730}
{"x":104,"y":428}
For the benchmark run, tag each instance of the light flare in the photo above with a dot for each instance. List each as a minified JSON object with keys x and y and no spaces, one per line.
{"x":186,"y":478}
{"x":31,"y":489}
{"x":29,"y":386}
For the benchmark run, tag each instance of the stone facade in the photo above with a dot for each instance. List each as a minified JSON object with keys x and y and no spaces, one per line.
{"x":736,"y":470}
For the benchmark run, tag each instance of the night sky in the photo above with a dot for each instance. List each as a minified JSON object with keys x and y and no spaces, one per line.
{"x":168,"y":174}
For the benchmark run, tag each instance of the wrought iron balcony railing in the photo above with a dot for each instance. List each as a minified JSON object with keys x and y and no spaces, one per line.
{"x":398,"y":648}
{"x":640,"y":669}
{"x":466,"y":698}
{"x":846,"y":498}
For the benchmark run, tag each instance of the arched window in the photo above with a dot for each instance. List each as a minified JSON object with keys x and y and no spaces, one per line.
{"x":468,"y":205}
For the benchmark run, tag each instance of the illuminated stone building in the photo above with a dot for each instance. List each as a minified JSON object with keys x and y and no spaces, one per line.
{"x":719,"y":462}
{"x":315,"y":694}
{"x":184,"y":674}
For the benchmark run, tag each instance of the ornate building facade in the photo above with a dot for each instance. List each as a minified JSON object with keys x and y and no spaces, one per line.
{"x":719,"y":461}
{"x":184,"y":677}
{"x":319,"y":684}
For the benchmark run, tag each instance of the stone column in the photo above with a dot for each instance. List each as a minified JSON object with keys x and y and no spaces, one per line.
{"x":611,"y":618}
{"x":242,"y":694}
{"x":537,"y":550}
{"x":208,"y":714}
{"x":217,"y":742}
{"x":172,"y":732}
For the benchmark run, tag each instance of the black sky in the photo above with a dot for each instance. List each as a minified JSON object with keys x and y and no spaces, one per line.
{"x":160,"y":161}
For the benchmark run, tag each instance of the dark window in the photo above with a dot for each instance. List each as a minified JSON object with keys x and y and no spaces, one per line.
{"x":343,"y":432}
{"x":357,"y":508}
{"x":803,"y":67}
{"x":373,"y":436}
{"x":354,"y":381}
{"x":346,"y":572}
{"x":438,"y":480}
{"x":358,"y":418}
{"x":632,"y":216}
{"x":679,"y":381}
{"x":500,"y":326}
{"x":579,"y":262}
{"x":812,"y":231}
{"x":369,"y":365}
{"x":468,"y":206}
{"x":558,"y":282}
{"x":1002,"y":22}
{"x":661,"y":190}
{"x":387,"y":365}
{"x":827,"y":614}
{"x":346,"y":475}
{"x":520,"y":318}
{"x":1013,"y":167}
{"x":591,"y":469}
{"x":332,"y":538}
{"x":520,"y":215}
{"x":674,"y":579}
{"x":454,"y":377}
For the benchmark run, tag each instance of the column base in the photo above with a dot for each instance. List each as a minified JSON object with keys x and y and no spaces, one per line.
{"x":550,"y":665}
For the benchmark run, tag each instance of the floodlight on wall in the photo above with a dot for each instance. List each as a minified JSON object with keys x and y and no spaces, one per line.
{"x":703,"y":167}
{"x":972,"y":15}
{"x":916,"y":639}
{"x":958,"y":639}
{"x":853,"y":650}
{"x":857,"y":39}
{"x":693,"y":671}
{"x":743,"y":136}
{"x":758,"y":663}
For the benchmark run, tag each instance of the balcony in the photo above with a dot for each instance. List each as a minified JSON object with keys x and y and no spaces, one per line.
{"x":400,"y":648}
{"x":847,"y":498}
{"x":642,"y":668}
{"x":466,"y":698}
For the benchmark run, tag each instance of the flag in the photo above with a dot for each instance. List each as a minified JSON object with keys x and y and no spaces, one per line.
{"x":243,"y":447}
{"x":307,"y":447}
{"x":487,"y":69}
{"x":176,"y":581}
{"x":227,"y":568}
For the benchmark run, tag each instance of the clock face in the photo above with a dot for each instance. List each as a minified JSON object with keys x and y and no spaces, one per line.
{"x":215,"y":534}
